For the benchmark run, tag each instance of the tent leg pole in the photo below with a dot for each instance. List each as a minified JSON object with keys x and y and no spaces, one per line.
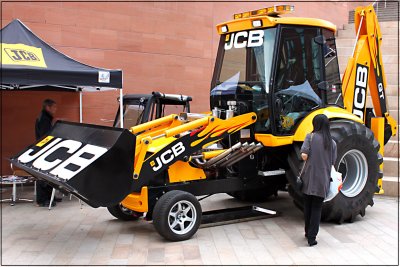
{"x":80,"y":107}
{"x":121,"y":106}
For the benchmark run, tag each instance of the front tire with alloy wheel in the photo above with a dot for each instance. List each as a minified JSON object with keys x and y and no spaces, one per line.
{"x":123,"y":213}
{"x":177,"y":215}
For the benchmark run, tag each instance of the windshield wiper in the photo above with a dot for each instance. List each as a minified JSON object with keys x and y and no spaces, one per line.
{"x":251,"y":82}
{"x":242,"y":82}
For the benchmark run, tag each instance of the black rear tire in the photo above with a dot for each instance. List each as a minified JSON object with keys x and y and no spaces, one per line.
{"x":177,"y":215}
{"x":357,"y":151}
{"x":124,"y":214}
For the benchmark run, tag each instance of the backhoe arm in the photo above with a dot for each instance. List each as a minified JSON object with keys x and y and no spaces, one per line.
{"x":365,"y":70}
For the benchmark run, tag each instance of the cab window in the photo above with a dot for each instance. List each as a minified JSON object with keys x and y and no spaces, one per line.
{"x":299,"y":69}
{"x":332,"y":74}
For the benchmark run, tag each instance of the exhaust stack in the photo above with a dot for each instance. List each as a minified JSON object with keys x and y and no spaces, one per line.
{"x":230,"y":156}
{"x":221,"y":156}
{"x":251,"y":150}
{"x":239,"y":151}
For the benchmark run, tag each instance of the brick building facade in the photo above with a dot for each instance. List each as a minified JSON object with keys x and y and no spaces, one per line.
{"x":160,"y":46}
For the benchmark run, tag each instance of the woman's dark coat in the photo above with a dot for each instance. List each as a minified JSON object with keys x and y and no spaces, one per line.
{"x":317,"y":172}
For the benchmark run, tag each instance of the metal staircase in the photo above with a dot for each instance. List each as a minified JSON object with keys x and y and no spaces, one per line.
{"x":386,"y":11}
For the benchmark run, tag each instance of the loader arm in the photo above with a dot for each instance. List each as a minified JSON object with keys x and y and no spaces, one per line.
{"x":163,"y":142}
{"x":365,"y":71}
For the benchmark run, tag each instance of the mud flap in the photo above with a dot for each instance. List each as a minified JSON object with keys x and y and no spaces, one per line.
{"x":94,"y":163}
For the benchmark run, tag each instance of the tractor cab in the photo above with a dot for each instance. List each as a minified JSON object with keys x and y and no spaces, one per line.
{"x":280,"y":68}
{"x":141,"y":108}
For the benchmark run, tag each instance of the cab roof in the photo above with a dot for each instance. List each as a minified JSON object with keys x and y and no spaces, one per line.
{"x":271,"y":21}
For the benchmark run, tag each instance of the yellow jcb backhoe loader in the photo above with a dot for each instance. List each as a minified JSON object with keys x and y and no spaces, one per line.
{"x":272,"y":76}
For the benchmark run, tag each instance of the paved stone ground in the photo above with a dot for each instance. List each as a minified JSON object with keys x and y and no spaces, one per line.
{"x":70,"y":235}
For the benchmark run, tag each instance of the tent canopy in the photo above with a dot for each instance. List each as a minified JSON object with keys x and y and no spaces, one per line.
{"x":28,"y":62}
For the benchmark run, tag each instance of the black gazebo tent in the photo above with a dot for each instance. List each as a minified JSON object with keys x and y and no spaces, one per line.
{"x":27,"y":62}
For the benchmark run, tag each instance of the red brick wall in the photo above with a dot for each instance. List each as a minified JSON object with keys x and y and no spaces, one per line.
{"x":168,"y":47}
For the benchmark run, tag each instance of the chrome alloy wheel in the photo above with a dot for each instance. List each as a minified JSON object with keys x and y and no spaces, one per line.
{"x":354,"y":168}
{"x":182,"y":217}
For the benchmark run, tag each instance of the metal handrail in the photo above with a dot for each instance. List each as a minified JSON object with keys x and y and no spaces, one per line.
{"x":381,"y":8}
{"x":376,"y":3}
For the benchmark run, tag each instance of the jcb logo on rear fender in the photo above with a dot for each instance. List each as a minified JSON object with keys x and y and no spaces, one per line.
{"x":167,"y":156}
{"x":245,"y":39}
{"x":360,"y":91}
{"x":62,"y":158}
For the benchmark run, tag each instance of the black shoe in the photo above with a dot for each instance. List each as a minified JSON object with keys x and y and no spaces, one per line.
{"x":57,"y":199}
{"x":312,"y":242}
{"x":47,"y":203}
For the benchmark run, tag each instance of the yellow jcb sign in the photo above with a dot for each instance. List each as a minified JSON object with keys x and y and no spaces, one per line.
{"x":20,"y":54}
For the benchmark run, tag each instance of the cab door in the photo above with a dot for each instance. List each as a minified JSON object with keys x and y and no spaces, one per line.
{"x":299,"y":70}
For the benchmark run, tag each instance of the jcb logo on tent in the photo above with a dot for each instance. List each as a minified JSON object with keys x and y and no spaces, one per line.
{"x":20,"y":54}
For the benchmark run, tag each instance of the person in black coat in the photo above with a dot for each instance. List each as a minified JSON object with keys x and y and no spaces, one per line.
{"x":319,"y":152}
{"x":43,"y":125}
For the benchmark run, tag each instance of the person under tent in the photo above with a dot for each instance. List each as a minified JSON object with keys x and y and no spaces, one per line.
{"x":43,"y":125}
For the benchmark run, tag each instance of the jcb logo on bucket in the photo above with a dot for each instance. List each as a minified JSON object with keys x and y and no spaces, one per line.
{"x":61,"y":158}
{"x":167,"y":156}
{"x":20,"y":54}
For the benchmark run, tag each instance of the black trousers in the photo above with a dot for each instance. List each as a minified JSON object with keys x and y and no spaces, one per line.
{"x":43,"y":192}
{"x":312,"y":215}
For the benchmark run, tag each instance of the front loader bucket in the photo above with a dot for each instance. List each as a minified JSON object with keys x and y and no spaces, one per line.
{"x":95,"y":163}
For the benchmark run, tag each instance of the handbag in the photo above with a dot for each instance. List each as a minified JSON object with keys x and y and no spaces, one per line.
{"x":335,"y":185}
{"x":299,"y":181}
